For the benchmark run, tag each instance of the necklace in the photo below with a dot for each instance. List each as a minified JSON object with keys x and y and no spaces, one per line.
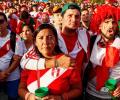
{"x":55,"y":70}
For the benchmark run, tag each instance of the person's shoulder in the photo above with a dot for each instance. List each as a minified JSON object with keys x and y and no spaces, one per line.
{"x":31,"y":54}
{"x":116,"y":43}
{"x":81,"y":30}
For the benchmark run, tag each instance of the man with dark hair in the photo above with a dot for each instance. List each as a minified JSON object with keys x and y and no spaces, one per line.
{"x":25,"y":19}
{"x":104,"y":77}
{"x":85,"y":18}
{"x":74,"y":40}
{"x":9,"y":60}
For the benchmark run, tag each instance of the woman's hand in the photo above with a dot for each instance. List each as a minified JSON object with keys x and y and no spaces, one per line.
{"x":30,"y":96}
{"x":116,"y":93}
{"x":52,"y":97}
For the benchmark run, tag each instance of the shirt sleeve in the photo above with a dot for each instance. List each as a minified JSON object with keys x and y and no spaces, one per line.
{"x":24,"y":76}
{"x":19,"y":49}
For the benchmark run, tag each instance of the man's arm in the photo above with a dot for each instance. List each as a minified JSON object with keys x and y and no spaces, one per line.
{"x":15,"y":63}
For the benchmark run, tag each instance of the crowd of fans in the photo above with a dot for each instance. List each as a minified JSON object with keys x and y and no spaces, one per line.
{"x":70,"y":48}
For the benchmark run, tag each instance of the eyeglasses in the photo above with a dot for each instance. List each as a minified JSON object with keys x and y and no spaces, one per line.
{"x":2,"y":21}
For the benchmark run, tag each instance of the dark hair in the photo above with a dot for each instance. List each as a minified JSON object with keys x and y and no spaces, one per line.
{"x":51,"y":27}
{"x":58,"y":10}
{"x":24,"y":15}
{"x":3,"y":14}
{"x":34,"y":5}
{"x":71,"y":7}
{"x":84,"y":9}
{"x":30,"y":27}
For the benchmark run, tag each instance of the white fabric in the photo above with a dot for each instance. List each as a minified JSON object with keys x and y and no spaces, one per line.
{"x":5,"y":60}
{"x":32,"y":64}
{"x":98,"y":53}
{"x":45,"y":80}
{"x":116,"y":43}
{"x":34,"y":14}
{"x":82,"y":40}
{"x":96,"y":58}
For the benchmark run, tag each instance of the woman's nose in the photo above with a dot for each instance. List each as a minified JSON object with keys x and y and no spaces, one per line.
{"x":45,"y":41}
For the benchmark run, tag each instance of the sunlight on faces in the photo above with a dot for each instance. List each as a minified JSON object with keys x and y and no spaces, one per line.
{"x":57,"y":18}
{"x":27,"y":33}
{"x":108,"y":28}
{"x":71,"y":19}
{"x":45,"y":42}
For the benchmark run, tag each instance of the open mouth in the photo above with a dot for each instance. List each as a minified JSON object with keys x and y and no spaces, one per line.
{"x":111,"y":31}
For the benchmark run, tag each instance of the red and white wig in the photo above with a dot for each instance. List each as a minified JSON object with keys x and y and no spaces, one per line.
{"x":102,"y":12}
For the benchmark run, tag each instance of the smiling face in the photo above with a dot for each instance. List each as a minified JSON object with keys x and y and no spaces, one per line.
{"x":45,"y":42}
{"x":71,"y":19}
{"x":108,"y":28}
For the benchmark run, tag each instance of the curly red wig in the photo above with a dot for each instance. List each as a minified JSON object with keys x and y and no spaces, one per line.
{"x":102,"y":12}
{"x":112,"y":1}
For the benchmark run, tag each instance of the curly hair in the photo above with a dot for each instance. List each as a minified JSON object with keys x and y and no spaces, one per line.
{"x":102,"y":12}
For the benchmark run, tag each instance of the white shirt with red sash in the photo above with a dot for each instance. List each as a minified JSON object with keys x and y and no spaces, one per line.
{"x":81,"y":43}
{"x":35,"y":75}
{"x":6,"y":54}
{"x":97,"y":57}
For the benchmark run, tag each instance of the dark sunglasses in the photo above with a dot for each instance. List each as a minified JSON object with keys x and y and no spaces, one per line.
{"x":2,"y":21}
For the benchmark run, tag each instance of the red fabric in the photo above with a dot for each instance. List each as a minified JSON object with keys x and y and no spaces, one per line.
{"x":70,"y":45}
{"x":102,"y":73}
{"x":110,"y":60}
{"x":79,"y":61}
{"x":1,"y":8}
{"x":4,"y":49}
{"x":38,"y":23}
{"x":31,"y":54}
{"x":71,"y":78}
{"x":118,"y":13}
{"x":112,"y":1}
{"x":19,"y":27}
{"x":13,"y":24}
{"x":112,"y":56}
{"x":62,"y":85}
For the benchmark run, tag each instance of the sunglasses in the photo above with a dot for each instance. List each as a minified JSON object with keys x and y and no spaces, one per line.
{"x":2,"y":21}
